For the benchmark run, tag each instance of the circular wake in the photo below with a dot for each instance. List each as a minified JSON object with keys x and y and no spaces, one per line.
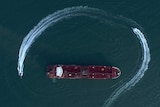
{"x":95,"y":13}
{"x":139,"y":74}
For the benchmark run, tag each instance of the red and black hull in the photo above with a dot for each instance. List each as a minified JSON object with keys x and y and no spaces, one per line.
{"x":83,"y":72}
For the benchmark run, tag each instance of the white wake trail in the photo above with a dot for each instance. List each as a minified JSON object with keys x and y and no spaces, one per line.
{"x":143,"y":68}
{"x":96,"y":14}
{"x":49,"y":21}
{"x":40,"y":28}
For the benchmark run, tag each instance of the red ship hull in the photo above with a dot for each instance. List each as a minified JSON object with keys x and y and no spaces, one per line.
{"x":82,"y":72}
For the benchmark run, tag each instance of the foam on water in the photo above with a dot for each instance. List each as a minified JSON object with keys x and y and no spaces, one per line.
{"x":139,"y":74}
{"x":51,"y":19}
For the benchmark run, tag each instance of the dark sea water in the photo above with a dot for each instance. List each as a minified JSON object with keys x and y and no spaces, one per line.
{"x":78,"y":40}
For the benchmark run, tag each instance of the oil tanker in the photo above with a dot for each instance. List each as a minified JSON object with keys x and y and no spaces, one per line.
{"x":82,"y":72}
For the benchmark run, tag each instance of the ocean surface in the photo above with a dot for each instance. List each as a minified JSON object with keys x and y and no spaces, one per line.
{"x":83,"y":32}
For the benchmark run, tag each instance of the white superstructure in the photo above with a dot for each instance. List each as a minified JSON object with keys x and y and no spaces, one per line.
{"x":59,"y":71}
